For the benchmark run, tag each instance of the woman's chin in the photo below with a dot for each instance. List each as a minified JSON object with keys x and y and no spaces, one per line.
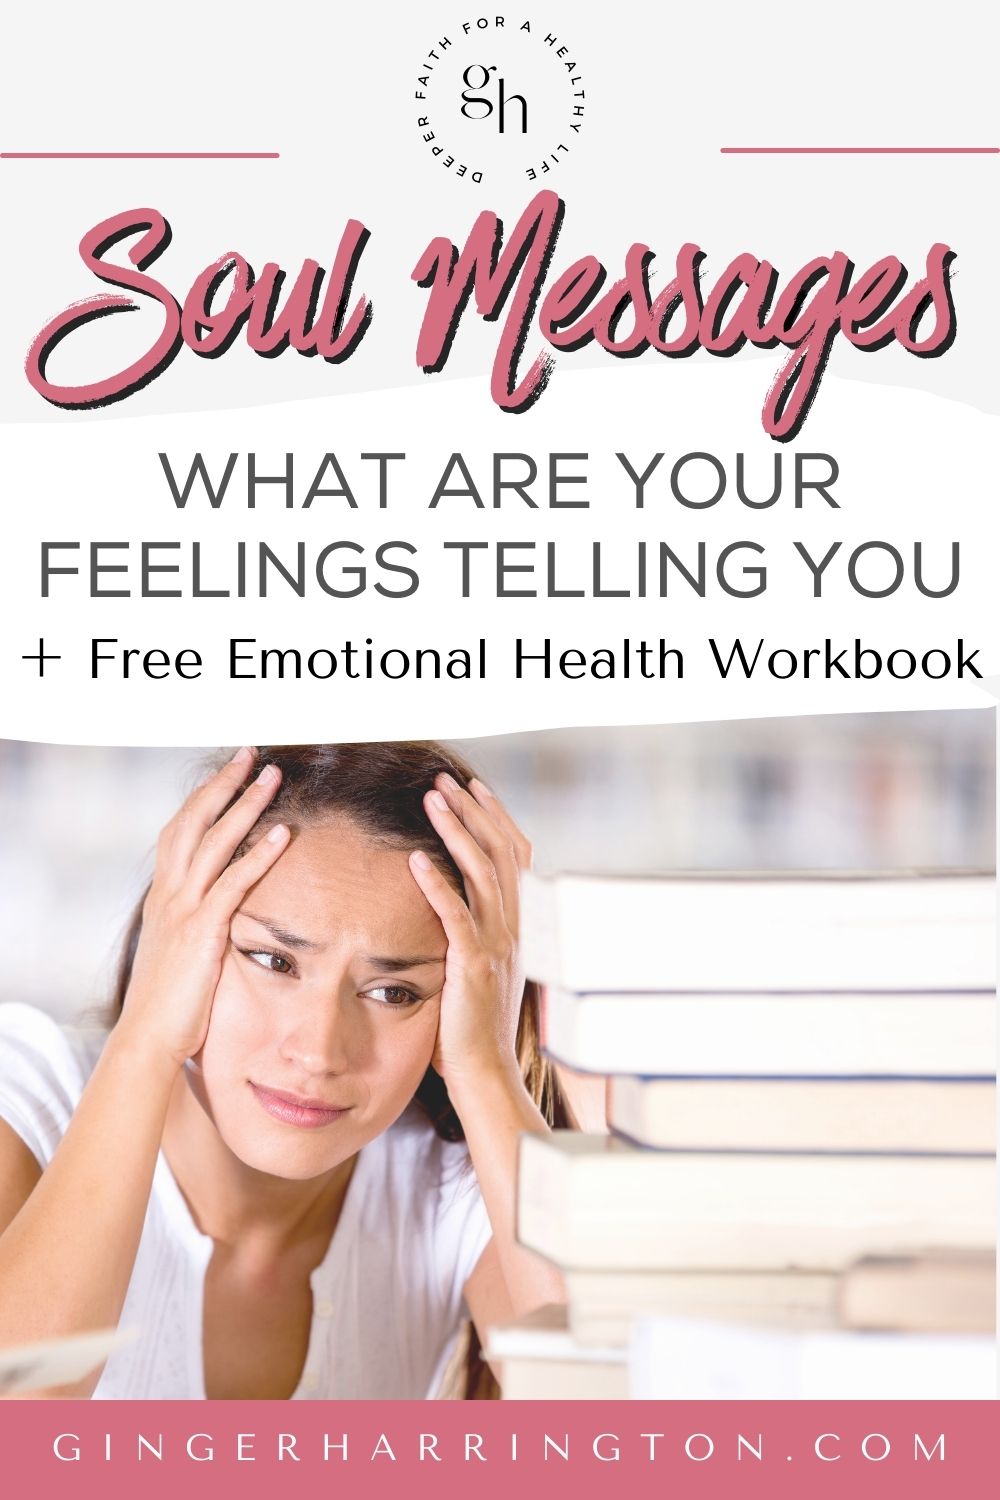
{"x":294,"y":1160}
{"x":283,"y":1149}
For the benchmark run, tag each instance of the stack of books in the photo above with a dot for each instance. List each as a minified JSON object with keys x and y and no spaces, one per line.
{"x":802,"y":1110}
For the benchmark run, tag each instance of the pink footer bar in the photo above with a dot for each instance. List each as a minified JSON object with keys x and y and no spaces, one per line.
{"x":572,"y":1449}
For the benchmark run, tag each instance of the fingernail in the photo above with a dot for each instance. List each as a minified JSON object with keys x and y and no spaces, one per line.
{"x":245,"y":754}
{"x":481,"y":785}
{"x":277,"y":833}
{"x":269,"y":774}
{"x":436,"y":800}
{"x":420,"y":859}
{"x":449,"y":782}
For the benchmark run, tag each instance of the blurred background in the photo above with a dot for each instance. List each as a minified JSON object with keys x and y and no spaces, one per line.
{"x":873,"y":791}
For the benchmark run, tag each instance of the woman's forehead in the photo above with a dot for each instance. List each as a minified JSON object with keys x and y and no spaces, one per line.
{"x":334,"y":879}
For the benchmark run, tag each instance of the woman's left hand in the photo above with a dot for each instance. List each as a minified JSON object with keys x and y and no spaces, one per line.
{"x":484,"y":980}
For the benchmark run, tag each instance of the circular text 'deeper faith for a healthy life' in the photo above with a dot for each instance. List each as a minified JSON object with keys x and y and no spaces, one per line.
{"x":499,"y":100}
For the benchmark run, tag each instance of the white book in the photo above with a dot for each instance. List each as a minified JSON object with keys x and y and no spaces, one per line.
{"x":799,"y":1114}
{"x":802,"y":931}
{"x":545,"y":1333}
{"x":936,"y":1292}
{"x":591,"y":1202}
{"x":538,"y":1358}
{"x":932,"y":1293}
{"x":50,"y":1363}
{"x":603,"y":1305}
{"x":804,"y":1034}
{"x":563,"y":1380}
{"x":677,"y":1359}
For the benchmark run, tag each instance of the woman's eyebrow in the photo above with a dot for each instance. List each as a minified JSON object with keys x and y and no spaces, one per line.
{"x":394,"y":965}
{"x":388,"y":963}
{"x":281,"y":935}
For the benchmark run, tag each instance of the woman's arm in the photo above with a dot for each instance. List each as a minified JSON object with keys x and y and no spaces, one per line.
{"x":508,"y":1280}
{"x":69,"y":1236}
{"x":477,"y":1031}
{"x":68,"y":1246}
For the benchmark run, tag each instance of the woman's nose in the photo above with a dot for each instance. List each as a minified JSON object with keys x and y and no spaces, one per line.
{"x":322,"y":1038}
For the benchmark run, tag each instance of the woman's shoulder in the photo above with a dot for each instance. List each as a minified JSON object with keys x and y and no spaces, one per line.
{"x":421,"y":1203}
{"x":413,"y":1142}
{"x":44,"y":1065}
{"x":32,"y":1033}
{"x":432,"y":1176}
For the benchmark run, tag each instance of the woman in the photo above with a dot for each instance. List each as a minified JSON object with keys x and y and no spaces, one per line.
{"x":264,"y":1165}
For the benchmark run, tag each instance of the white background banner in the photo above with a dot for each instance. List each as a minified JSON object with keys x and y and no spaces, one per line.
{"x":632,"y":633}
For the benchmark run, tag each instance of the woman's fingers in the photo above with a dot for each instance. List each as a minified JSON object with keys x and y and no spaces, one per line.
{"x":239,"y":877}
{"x":453,"y":914}
{"x":482,"y":883}
{"x":492,"y":839}
{"x":225,"y":836}
{"x":182,"y":835}
{"x":495,"y":808}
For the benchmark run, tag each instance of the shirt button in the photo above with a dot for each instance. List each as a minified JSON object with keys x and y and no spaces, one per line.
{"x":310,"y":1381}
{"x":324,"y":1309}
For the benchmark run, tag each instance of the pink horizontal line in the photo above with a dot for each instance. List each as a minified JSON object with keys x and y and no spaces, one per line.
{"x":859,"y":150}
{"x":139,"y":155}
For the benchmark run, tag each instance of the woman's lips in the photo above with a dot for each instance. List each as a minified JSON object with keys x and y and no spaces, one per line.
{"x":293,"y":1110}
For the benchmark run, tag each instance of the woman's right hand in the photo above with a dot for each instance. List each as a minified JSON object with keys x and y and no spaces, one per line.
{"x":189,"y":907}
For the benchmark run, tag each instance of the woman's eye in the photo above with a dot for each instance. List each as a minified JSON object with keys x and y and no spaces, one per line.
{"x":393,"y":995}
{"x":275,"y":963}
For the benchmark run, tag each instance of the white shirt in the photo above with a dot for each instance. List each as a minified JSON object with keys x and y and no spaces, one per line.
{"x":387,"y":1297}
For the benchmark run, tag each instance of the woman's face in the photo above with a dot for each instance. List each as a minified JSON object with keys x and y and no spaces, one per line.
{"x":328,"y":1001}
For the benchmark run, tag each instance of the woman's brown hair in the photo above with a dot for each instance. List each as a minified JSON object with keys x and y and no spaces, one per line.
{"x":381,"y":788}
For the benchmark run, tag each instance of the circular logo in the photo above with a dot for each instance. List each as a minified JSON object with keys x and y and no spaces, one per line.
{"x":499,"y":100}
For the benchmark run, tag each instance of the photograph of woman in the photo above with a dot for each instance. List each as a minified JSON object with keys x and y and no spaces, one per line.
{"x":289,"y":1159}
